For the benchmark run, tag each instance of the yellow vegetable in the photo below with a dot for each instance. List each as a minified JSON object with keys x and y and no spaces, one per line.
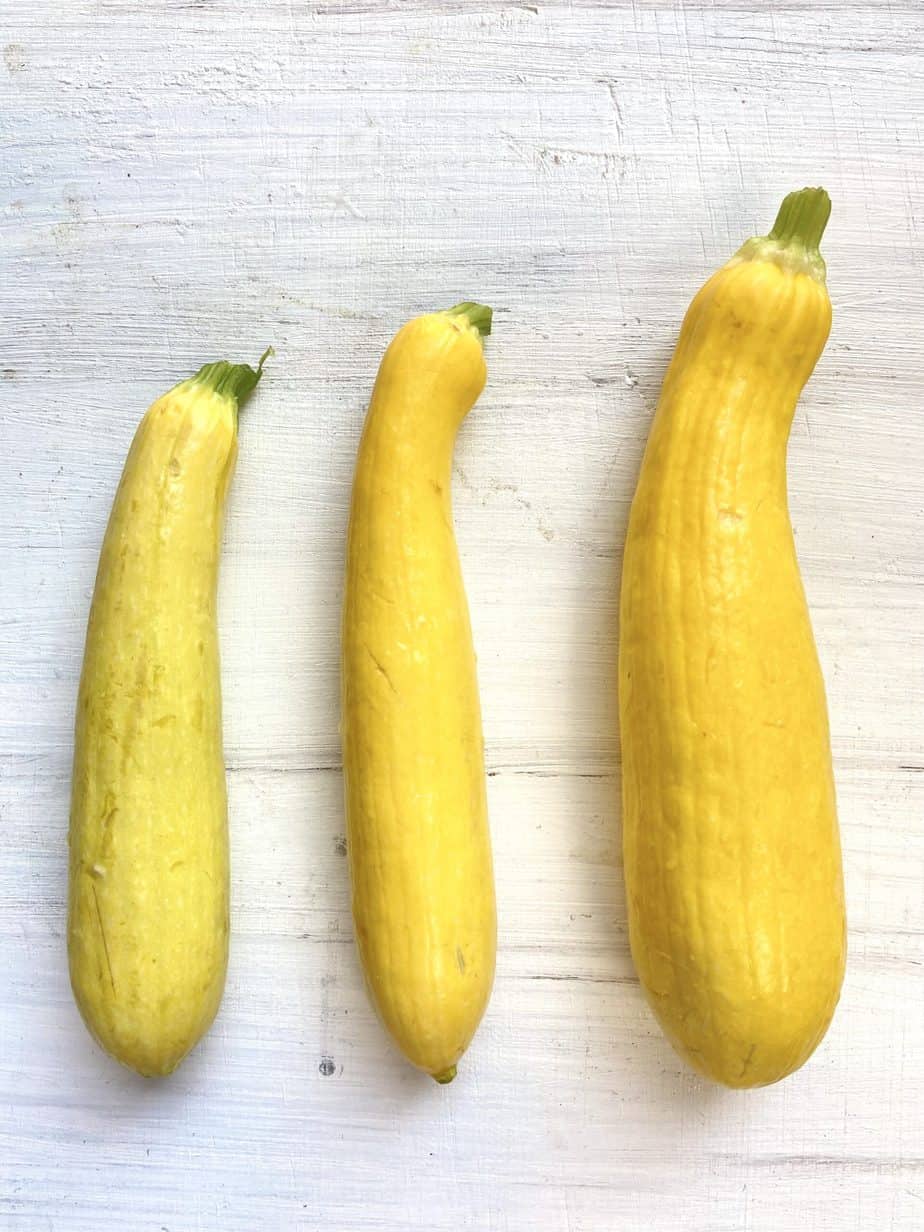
{"x":732,"y":856}
{"x":419,"y":846}
{"x":148,"y":901}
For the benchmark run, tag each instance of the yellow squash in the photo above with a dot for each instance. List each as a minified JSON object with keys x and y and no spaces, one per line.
{"x":419,"y":846}
{"x":732,"y":856}
{"x":148,"y":900}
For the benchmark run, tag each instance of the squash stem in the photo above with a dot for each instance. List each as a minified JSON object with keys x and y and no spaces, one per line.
{"x":234,"y":381}
{"x":478,"y":316}
{"x":447,"y":1075}
{"x":802,"y":218}
{"x":793,"y":242}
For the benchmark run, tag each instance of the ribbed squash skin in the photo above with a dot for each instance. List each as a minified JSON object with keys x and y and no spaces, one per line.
{"x":148,"y":901}
{"x":419,"y":845}
{"x":732,"y":856}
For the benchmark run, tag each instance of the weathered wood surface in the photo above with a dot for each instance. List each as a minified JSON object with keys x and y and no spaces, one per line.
{"x":183,"y":181}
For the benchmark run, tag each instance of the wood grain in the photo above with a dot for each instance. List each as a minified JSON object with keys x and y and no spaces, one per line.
{"x":185,"y":181}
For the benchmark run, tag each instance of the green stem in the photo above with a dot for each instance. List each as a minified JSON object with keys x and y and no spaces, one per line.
{"x":447,"y":1075}
{"x":793,"y":241}
{"x":802,"y":218}
{"x":235,"y":381}
{"x":478,"y":316}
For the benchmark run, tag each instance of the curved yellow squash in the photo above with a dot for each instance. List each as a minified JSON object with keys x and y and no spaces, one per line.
{"x":732,"y":856}
{"x":148,"y":901}
{"x":419,"y":845}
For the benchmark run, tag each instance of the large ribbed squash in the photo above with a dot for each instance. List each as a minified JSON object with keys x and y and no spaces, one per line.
{"x":732,"y":856}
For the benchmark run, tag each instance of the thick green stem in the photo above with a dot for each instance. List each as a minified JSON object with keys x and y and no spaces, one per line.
{"x":793,"y":241}
{"x":448,"y":1074}
{"x":478,"y":316}
{"x":235,"y":381}
{"x":802,"y":218}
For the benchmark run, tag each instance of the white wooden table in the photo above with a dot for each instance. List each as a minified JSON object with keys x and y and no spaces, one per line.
{"x":184,"y":181}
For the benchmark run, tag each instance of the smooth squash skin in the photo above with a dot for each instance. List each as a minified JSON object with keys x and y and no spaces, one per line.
{"x":148,"y":893}
{"x":732,"y":856}
{"x":419,"y":845}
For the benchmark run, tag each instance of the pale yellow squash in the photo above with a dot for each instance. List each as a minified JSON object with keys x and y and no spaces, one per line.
{"x":732,"y":856}
{"x":148,"y":900}
{"x":419,"y":846}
